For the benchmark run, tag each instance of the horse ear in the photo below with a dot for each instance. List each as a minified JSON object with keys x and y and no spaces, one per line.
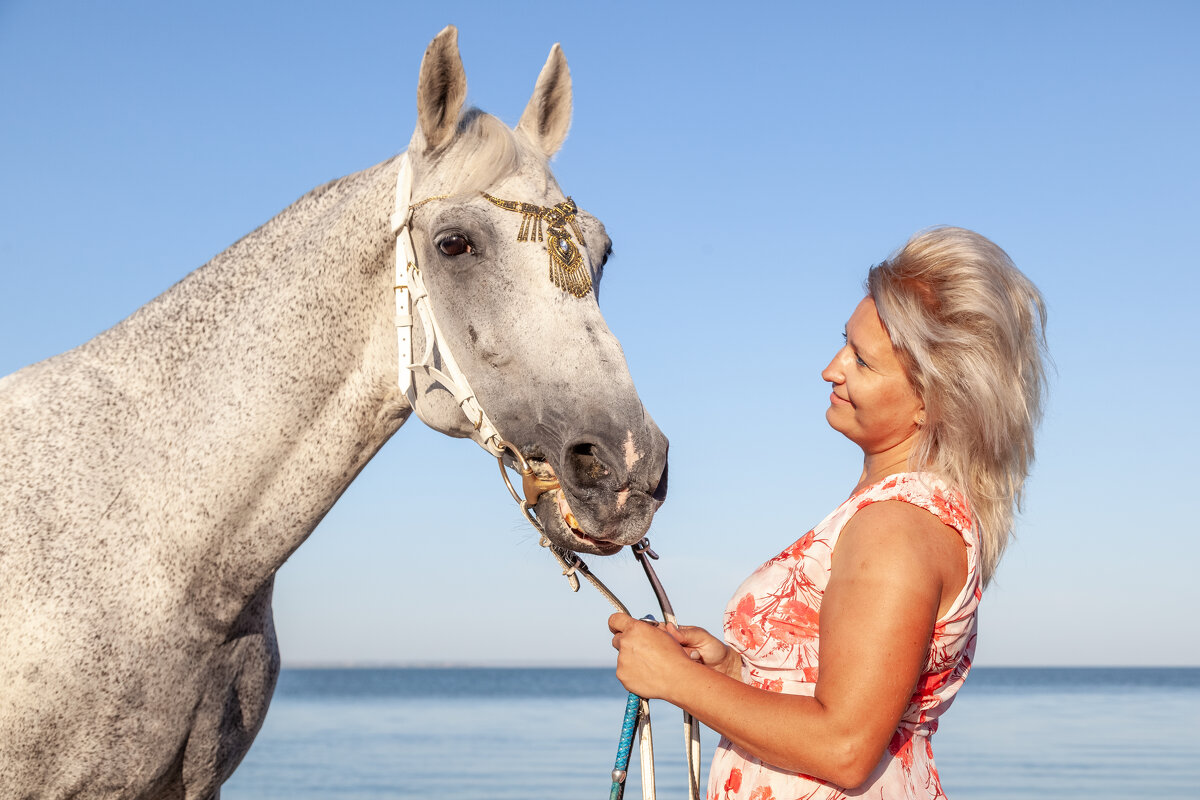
{"x":548,"y":115}
{"x":441,"y":89}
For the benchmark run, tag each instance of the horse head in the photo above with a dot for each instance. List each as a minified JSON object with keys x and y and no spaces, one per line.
{"x":510,"y":268}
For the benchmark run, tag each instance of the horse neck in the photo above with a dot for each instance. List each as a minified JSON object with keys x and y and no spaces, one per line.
{"x":269,"y":376}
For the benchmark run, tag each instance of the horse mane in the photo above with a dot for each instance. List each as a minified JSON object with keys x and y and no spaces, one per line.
{"x":483,"y":152}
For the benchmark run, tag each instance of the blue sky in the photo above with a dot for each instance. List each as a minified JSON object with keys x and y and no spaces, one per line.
{"x":750,"y":162}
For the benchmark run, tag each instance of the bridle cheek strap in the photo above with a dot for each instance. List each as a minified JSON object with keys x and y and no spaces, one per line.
{"x":412,"y":304}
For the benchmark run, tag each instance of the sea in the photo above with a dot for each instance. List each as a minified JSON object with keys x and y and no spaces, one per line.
{"x":474,"y":733}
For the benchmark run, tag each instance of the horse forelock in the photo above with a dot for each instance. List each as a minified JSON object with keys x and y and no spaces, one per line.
{"x":483,"y":152}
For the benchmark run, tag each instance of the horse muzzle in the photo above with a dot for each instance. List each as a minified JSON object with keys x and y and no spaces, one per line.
{"x":596,"y":505}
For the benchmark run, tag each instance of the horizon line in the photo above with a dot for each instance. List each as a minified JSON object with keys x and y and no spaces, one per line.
{"x":456,"y":664}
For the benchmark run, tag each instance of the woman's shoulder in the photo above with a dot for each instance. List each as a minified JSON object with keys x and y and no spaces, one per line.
{"x":923,"y":490}
{"x":909,"y":532}
{"x":894,"y":543}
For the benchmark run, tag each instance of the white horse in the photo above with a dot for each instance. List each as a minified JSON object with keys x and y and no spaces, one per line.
{"x":156,"y":477}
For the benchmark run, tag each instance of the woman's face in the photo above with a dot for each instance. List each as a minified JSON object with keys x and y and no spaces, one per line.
{"x":872,"y":402}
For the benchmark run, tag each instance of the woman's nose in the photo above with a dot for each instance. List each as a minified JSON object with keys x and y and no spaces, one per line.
{"x":833,"y":373}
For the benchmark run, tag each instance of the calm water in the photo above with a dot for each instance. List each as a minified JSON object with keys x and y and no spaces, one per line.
{"x":475,"y":734}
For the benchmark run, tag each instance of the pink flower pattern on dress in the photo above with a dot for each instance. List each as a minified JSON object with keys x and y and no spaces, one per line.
{"x":773,"y":620}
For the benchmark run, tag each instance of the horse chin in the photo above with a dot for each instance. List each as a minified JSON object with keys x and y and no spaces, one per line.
{"x":563,"y":528}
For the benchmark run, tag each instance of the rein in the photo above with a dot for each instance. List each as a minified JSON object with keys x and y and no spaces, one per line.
{"x":412,"y":301}
{"x":637,"y":709}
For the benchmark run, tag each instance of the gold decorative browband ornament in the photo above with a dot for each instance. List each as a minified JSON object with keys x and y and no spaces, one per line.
{"x":567,"y":270}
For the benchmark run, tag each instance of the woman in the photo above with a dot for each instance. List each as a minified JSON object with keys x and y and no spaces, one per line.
{"x":941,"y":384}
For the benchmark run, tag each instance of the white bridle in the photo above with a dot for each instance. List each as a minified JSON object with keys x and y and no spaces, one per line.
{"x":412,"y":299}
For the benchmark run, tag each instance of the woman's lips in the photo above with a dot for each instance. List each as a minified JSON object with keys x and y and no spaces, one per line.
{"x":833,"y":398}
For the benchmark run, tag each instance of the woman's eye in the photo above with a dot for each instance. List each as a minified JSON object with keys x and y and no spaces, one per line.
{"x":455,"y":245}
{"x":857,"y":358}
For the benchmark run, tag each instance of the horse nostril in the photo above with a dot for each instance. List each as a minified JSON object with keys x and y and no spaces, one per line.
{"x":586,"y":466}
{"x":660,"y":491}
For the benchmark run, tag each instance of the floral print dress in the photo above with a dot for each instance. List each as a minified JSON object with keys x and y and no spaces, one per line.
{"x":773,"y":619}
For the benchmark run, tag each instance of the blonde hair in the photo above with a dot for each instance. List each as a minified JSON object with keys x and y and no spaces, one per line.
{"x":969,"y":328}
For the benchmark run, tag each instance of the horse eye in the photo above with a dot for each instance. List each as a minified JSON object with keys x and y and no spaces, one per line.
{"x":455,"y":245}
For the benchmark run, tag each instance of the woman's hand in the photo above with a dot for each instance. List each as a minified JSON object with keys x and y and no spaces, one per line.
{"x":704,"y":648}
{"x":649,"y":656}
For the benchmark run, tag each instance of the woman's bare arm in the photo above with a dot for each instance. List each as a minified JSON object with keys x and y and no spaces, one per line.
{"x":892,"y":565}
